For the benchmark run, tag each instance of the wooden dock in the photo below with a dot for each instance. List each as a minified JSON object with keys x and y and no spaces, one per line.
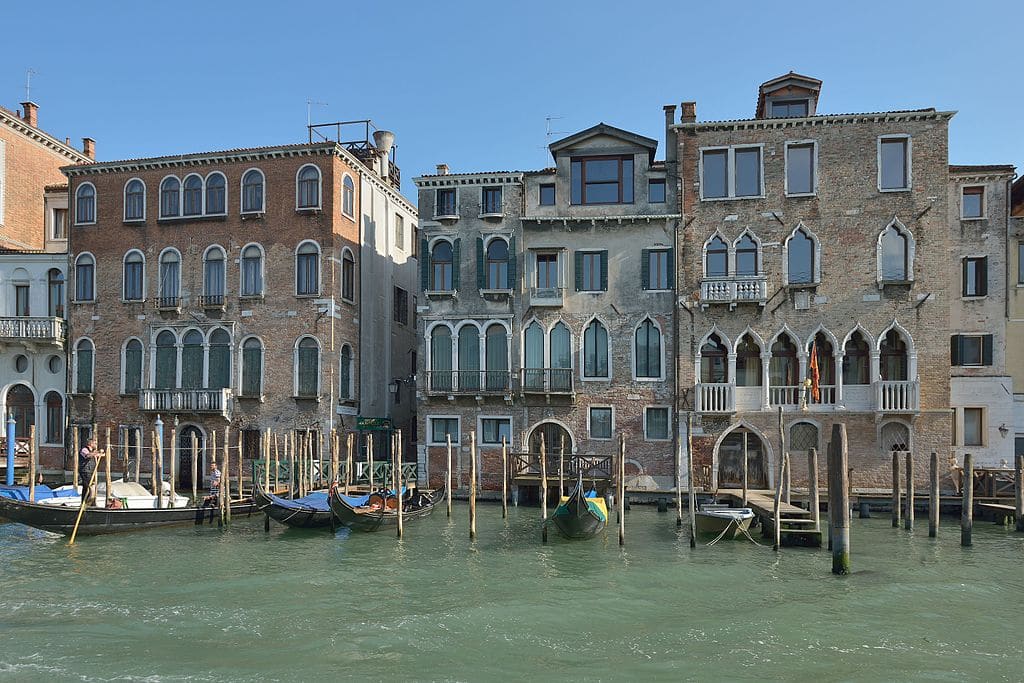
{"x":796,"y":525}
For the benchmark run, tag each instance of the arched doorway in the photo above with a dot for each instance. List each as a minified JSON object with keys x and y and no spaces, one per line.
{"x":21,"y":405}
{"x":730,"y":460}
{"x":185,"y":455}
{"x":554,"y":436}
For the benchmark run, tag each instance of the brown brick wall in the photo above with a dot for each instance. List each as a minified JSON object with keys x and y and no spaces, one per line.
{"x":29,"y":168}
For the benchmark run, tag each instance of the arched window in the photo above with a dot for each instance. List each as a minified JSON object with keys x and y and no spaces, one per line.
{"x":345,"y":373}
{"x":170,"y":278}
{"x":803,"y":436}
{"x":469,"y":358}
{"x":895,"y":437}
{"x":83,"y":366}
{"x":497,"y":265}
{"x":746,"y":256}
{"x":216,"y":203}
{"x":348,"y":197}
{"x":348,"y":276}
{"x":714,"y":361}
{"x":441,"y":359}
{"x":85,"y":278}
{"x":85,"y":204}
{"x":192,"y":192}
{"x":893,"y":358}
{"x":748,"y":363}
{"x":560,"y":350}
{"x":821,"y":355}
{"x":595,"y":350}
{"x":800,"y":258}
{"x":55,"y":293}
{"x":442,"y":260}
{"x":134,"y":200}
{"x":21,"y":405}
{"x":783,"y":369}
{"x":192,"y":360}
{"x":308,"y":368}
{"x":213,"y":275}
{"x":54,"y":418}
{"x":133,"y":281}
{"x":252,"y":271}
{"x":131,"y":371}
{"x":219,"y":364}
{"x":533,"y":356}
{"x":307,"y":269}
{"x":716,"y":258}
{"x":648,"y":350}
{"x":170,"y":193}
{"x":252,"y":368}
{"x":166,"y":361}
{"x":252,"y":192}
{"x":307,"y":193}
{"x":892,"y":255}
{"x":856,"y":361}
{"x":496,"y":354}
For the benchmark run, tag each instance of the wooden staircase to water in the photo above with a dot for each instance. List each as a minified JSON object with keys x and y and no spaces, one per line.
{"x":796,"y":525}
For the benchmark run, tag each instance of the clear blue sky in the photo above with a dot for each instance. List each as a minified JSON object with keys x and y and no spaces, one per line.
{"x":470,"y":84}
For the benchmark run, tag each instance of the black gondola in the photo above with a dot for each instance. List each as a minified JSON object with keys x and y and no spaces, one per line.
{"x":309,"y":512}
{"x":581,"y":514}
{"x":375,"y":511}
{"x":61,"y":519}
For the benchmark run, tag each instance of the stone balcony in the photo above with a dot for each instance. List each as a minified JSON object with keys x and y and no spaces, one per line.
{"x":198,"y":401}
{"x":881,"y":397}
{"x":733,"y":291}
{"x":32,"y":330}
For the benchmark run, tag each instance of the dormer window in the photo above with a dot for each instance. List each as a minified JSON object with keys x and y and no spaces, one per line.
{"x":602,"y":180}
{"x":789,"y":109}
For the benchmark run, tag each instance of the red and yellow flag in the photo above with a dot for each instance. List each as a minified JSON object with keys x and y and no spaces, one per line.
{"x":815,"y":375}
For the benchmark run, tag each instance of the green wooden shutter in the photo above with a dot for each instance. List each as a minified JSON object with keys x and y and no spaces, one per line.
{"x":986,"y":349}
{"x":963,"y":277}
{"x":983,"y":277}
{"x":645,"y":268}
{"x":954,"y":350}
{"x":671,"y":265}
{"x":424,"y":265}
{"x":578,"y":263}
{"x":481,"y":281}
{"x":456,"y":262}
{"x":513,"y":276}
{"x":604,"y":271}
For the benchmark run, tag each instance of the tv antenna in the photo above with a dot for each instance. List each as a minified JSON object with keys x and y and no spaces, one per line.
{"x":547,"y":126}
{"x":28,"y":83}
{"x":309,"y":109}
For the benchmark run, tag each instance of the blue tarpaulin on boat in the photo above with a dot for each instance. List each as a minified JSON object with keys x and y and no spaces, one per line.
{"x":42,"y":492}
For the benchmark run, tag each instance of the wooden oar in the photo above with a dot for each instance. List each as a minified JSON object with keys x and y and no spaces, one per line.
{"x":85,"y":499}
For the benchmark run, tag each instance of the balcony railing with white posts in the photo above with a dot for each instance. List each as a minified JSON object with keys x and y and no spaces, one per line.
{"x":716,"y":398}
{"x":216,"y":401}
{"x":733,"y":291}
{"x":898,"y":397}
{"x":32,"y":329}
{"x":546,"y":296}
{"x":785,"y":395}
{"x":469,"y":382}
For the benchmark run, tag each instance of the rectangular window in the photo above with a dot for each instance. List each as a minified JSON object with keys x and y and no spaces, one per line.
{"x":401,"y":306}
{"x":441,"y":428}
{"x":399,"y":231}
{"x":490,"y":200}
{"x":445,"y":203}
{"x":60,"y":224}
{"x":547,"y":195}
{"x":975,"y":276}
{"x":974,"y":422}
{"x":970,"y":350}
{"x":658,"y":269}
{"x":656,"y":191}
{"x":973,"y":202}
{"x":602,"y":180}
{"x":494,"y":429}
{"x":21,"y":301}
{"x":893,"y":164}
{"x":593,"y":271}
{"x":600,"y":423}
{"x":800,"y":168}
{"x":656,"y":423}
{"x":789,"y":109}
{"x":732,"y":172}
{"x":54,"y":420}
{"x":547,"y":271}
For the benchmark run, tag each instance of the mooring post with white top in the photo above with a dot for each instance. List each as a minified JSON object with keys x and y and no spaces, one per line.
{"x":896,"y":504}
{"x":396,"y":477}
{"x":839,"y":500}
{"x":448,"y":474}
{"x":967,"y":509}
{"x":908,"y":516}
{"x":174,"y":458}
{"x":195,"y":469}
{"x":225,"y":488}
{"x":812,"y":486}
{"x":690,"y":485}
{"x":472,"y":485}
{"x":32,"y":465}
{"x":543,"y":491}
{"x":679,"y":485}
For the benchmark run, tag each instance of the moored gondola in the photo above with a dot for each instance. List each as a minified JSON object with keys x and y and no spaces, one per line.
{"x":581,"y":514}
{"x":379,"y":511}
{"x":308,"y":512}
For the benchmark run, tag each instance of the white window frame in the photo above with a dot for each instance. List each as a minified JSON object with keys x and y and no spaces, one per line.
{"x":430,"y":430}
{"x":202,"y":198}
{"x":351,"y":373}
{"x":319,"y":270}
{"x":590,"y":434}
{"x":911,"y":248}
{"x":206,"y":181}
{"x":814,"y":167}
{"x":207,"y":345}
{"x":241,"y":365}
{"x":730,"y":171}
{"x":561,"y":263}
{"x":160,"y":275}
{"x":759,"y":271}
{"x":668,"y":430}
{"x":319,"y":368}
{"x":481,"y":444}
{"x":124,"y":262}
{"x":355,"y":281}
{"x":961,"y":418}
{"x":319,"y":189}
{"x":142,"y":364}
{"x":439,"y":216}
{"x":241,"y":272}
{"x":817,"y":257}
{"x":241,"y":194}
{"x":501,"y":209}
{"x":224,"y":278}
{"x":730,"y":270}
{"x":908,"y":160}
{"x":160,"y":199}
{"x":583,"y":351}
{"x":981,"y":351}
{"x":669,"y":263}
{"x":352,"y":214}
{"x":661,"y":350}
{"x":399,"y":220}
{"x":75,"y":298}
{"x":95,"y":204}
{"x":984,"y":203}
{"x":124,"y":201}
{"x":46,"y":413}
{"x":74,"y":375}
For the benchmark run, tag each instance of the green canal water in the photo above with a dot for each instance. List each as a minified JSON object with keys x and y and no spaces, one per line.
{"x":240,"y":604}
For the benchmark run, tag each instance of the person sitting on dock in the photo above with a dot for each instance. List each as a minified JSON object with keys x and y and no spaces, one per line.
{"x":214,"y":494}
{"x":88,"y":458}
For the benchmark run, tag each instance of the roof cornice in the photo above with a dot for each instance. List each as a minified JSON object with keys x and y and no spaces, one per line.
{"x":453,"y":179}
{"x":632,"y":218}
{"x":47,"y":141}
{"x":825,"y":120}
{"x":206,"y":158}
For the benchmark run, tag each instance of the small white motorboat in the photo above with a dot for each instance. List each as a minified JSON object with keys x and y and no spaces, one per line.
{"x":720,"y":520}
{"x":133,"y":496}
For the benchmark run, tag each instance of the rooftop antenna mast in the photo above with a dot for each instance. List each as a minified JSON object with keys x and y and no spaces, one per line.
{"x":309,"y":115}
{"x":548,"y":133}
{"x":28,"y":83}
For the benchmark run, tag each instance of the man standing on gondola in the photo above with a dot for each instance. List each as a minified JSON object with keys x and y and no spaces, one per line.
{"x":88,"y":459}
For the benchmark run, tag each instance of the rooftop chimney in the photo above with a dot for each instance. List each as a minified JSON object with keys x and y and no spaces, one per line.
{"x":689,"y":112}
{"x":31,"y":116}
{"x":89,"y":148}
{"x":383,"y":140}
{"x":670,"y":114}
{"x":442,"y":169}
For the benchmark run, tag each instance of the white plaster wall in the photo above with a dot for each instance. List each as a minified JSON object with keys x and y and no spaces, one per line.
{"x":995,"y":395}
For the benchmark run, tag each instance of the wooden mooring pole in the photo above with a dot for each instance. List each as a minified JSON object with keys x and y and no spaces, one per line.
{"x":504,"y":477}
{"x":174,"y":459}
{"x":289,"y":446}
{"x":159,"y":473}
{"x":543,"y":491}
{"x":472,"y":485}
{"x":690,"y":485}
{"x":777,"y":507}
{"x":967,"y":509}
{"x":1018,"y":491}
{"x":396,"y":477}
{"x":561,"y":469}
{"x":77,"y":449}
{"x":33,"y":456}
{"x":679,"y":486}
{"x":106,"y":465}
{"x":622,"y":489}
{"x":226,"y":488}
{"x":138,"y":453}
{"x":195,"y":469}
{"x":908,"y":516}
{"x":153,"y":477}
{"x":839,"y":500}
{"x":812,"y":487}
{"x":896,"y":505}
{"x":933,"y":495}
{"x":787,"y":481}
{"x":448,"y":475}
{"x":746,"y":470}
